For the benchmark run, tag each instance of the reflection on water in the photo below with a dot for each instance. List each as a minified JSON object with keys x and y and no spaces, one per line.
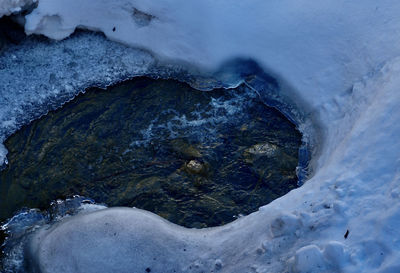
{"x":195,"y":158}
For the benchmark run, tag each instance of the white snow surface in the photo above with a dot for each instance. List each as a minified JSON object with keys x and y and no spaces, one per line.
{"x":338,"y":60}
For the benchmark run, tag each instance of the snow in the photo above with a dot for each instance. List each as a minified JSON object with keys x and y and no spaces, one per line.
{"x":309,"y":259}
{"x":337,"y":61}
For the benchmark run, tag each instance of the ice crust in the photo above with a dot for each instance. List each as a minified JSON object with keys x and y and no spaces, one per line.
{"x":8,"y":7}
{"x":337,"y":61}
{"x":38,"y":75}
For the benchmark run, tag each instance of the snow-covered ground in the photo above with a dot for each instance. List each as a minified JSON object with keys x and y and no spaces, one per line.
{"x":337,"y":60}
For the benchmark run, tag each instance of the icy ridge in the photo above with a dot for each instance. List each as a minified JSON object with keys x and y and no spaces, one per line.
{"x":26,"y":221}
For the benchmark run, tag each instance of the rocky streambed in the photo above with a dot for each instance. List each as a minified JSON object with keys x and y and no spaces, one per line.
{"x":198,"y":159}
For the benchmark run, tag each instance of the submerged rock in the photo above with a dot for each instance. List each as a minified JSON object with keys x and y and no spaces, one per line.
{"x":184,"y":149}
{"x":194,"y":166}
{"x":262,"y":149}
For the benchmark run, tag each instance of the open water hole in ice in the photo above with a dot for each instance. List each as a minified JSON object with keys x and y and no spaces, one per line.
{"x":198,"y":159}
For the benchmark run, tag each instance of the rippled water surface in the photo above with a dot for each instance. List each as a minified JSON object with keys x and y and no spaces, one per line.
{"x":196,"y":158}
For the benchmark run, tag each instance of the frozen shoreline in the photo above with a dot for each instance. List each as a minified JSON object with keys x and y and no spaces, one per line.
{"x":344,"y":218}
{"x":337,"y":61}
{"x":52,"y":73}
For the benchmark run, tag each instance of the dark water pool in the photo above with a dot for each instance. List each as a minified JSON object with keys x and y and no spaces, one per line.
{"x":195,"y":158}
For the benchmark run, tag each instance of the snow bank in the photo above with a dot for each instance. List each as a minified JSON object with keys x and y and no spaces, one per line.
{"x":8,"y":7}
{"x":336,"y":60}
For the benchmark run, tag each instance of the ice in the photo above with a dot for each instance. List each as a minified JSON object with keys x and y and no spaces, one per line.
{"x":8,"y":7}
{"x":134,"y":243}
{"x":38,"y":75}
{"x":335,"y":60}
{"x":27,"y":221}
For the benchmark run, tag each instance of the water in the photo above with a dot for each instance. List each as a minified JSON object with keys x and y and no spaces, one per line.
{"x":195,"y":158}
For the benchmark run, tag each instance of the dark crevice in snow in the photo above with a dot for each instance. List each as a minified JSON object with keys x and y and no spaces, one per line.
{"x":141,"y":18}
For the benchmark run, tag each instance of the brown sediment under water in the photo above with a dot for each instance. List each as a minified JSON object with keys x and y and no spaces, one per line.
{"x":198,"y":159}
